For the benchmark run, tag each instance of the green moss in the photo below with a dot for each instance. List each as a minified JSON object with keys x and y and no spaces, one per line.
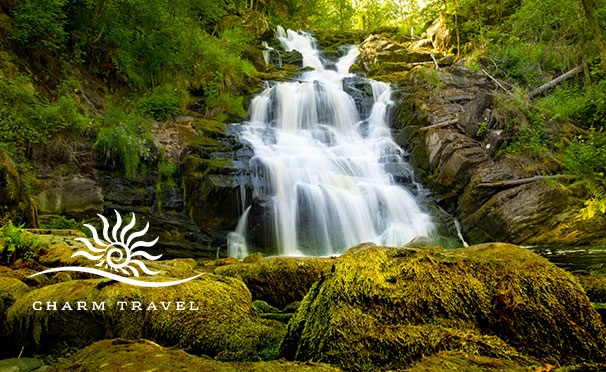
{"x":594,"y":286}
{"x":225,"y":320}
{"x":386,"y":308}
{"x":280,"y":280}
{"x":460,"y":361}
{"x":142,"y":355}
{"x":210,"y":127}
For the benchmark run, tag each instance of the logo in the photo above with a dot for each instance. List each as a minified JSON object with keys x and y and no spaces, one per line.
{"x":118,"y":254}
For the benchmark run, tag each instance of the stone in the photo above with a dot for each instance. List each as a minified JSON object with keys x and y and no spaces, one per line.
{"x":439,"y":34}
{"x":216,"y":315}
{"x":384,"y":308}
{"x":142,"y":355}
{"x":20,"y":364}
{"x":77,"y":196}
{"x":279,"y":280}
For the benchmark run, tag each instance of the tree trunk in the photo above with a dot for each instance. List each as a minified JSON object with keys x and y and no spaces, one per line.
{"x":591,"y":14}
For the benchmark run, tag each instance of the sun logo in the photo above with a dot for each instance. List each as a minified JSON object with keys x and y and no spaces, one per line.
{"x":116,"y":252}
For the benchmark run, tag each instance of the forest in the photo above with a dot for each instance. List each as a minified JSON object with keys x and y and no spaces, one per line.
{"x":153,"y":60}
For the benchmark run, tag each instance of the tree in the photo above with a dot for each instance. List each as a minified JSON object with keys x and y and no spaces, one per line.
{"x":590,"y":10}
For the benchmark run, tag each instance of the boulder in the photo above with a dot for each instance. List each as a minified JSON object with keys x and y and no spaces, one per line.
{"x":215,"y":317}
{"x":279,"y":281}
{"x":377,"y":50}
{"x":387,"y":308}
{"x":439,"y":34}
{"x":75,"y":196}
{"x":143,"y":355}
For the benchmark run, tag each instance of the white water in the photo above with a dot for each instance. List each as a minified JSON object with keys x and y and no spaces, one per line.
{"x":323,"y":167}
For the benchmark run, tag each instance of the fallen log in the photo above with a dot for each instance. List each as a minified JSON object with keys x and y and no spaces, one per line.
{"x":545,"y":87}
{"x":440,"y":125}
{"x":522,"y":181}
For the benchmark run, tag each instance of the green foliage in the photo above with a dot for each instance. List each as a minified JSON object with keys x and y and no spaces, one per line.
{"x":25,"y":118}
{"x":18,"y":244}
{"x":39,"y":25}
{"x":586,"y":155}
{"x":591,"y":106}
{"x":565,"y":104}
{"x":526,"y":63}
{"x":520,"y":119}
{"x":593,"y":205}
{"x":161,"y":104}
{"x":122,"y":141}
{"x":62,"y":222}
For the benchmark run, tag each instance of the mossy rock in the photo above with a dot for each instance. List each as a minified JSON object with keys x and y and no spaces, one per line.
{"x":460,"y":361}
{"x":279,"y":280}
{"x":385,"y":308}
{"x":225,"y":319}
{"x":594,"y":286}
{"x":143,"y":355}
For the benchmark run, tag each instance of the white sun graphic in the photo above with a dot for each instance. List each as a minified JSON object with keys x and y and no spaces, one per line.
{"x":118,"y":252}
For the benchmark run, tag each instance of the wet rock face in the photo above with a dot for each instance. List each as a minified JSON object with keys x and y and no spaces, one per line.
{"x":444,"y":118}
{"x":384,"y":308}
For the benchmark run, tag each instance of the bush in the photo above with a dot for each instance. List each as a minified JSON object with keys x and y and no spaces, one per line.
{"x":18,"y":244}
{"x":62,"y":222}
{"x":122,"y":142}
{"x":527,"y":63}
{"x":586,"y":155}
{"x":39,"y":25}
{"x":161,"y":104}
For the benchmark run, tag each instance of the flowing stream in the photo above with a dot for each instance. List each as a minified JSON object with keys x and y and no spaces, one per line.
{"x":320,"y":169}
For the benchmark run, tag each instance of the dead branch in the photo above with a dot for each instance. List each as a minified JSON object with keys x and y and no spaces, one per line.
{"x":498,"y":83}
{"x":545,"y":87}
{"x":523,"y":181}
{"x":442,"y":124}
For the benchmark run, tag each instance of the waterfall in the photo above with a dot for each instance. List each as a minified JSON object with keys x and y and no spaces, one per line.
{"x":320,"y":171}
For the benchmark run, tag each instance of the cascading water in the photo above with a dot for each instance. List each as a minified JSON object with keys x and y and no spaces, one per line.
{"x":320,"y":169}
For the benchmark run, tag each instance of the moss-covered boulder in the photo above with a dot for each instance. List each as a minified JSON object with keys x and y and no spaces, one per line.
{"x":142,"y":355}
{"x":384,"y":308}
{"x":460,"y":361}
{"x":211,"y":315}
{"x":594,"y":286}
{"x":279,"y":281}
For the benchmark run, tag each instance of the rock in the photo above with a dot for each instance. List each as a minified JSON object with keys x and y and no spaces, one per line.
{"x":254,"y":22}
{"x":253,"y":257}
{"x":143,"y":355}
{"x":76,"y":196}
{"x":377,"y":50}
{"x":445,"y":120}
{"x":13,"y":201}
{"x":11,"y":289}
{"x":279,"y":280}
{"x":216,"y":316}
{"x":439,"y":34}
{"x":594,"y":286}
{"x":10,"y":181}
{"x":475,"y":114}
{"x":451,"y":157}
{"x":460,"y":361}
{"x":387,"y":308}
{"x":20,"y":364}
{"x":525,"y":214}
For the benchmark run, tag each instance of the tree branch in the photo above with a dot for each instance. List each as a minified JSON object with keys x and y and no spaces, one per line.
{"x":498,"y":83}
{"x":440,"y":125}
{"x":522,"y":181}
{"x":543,"y":88}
